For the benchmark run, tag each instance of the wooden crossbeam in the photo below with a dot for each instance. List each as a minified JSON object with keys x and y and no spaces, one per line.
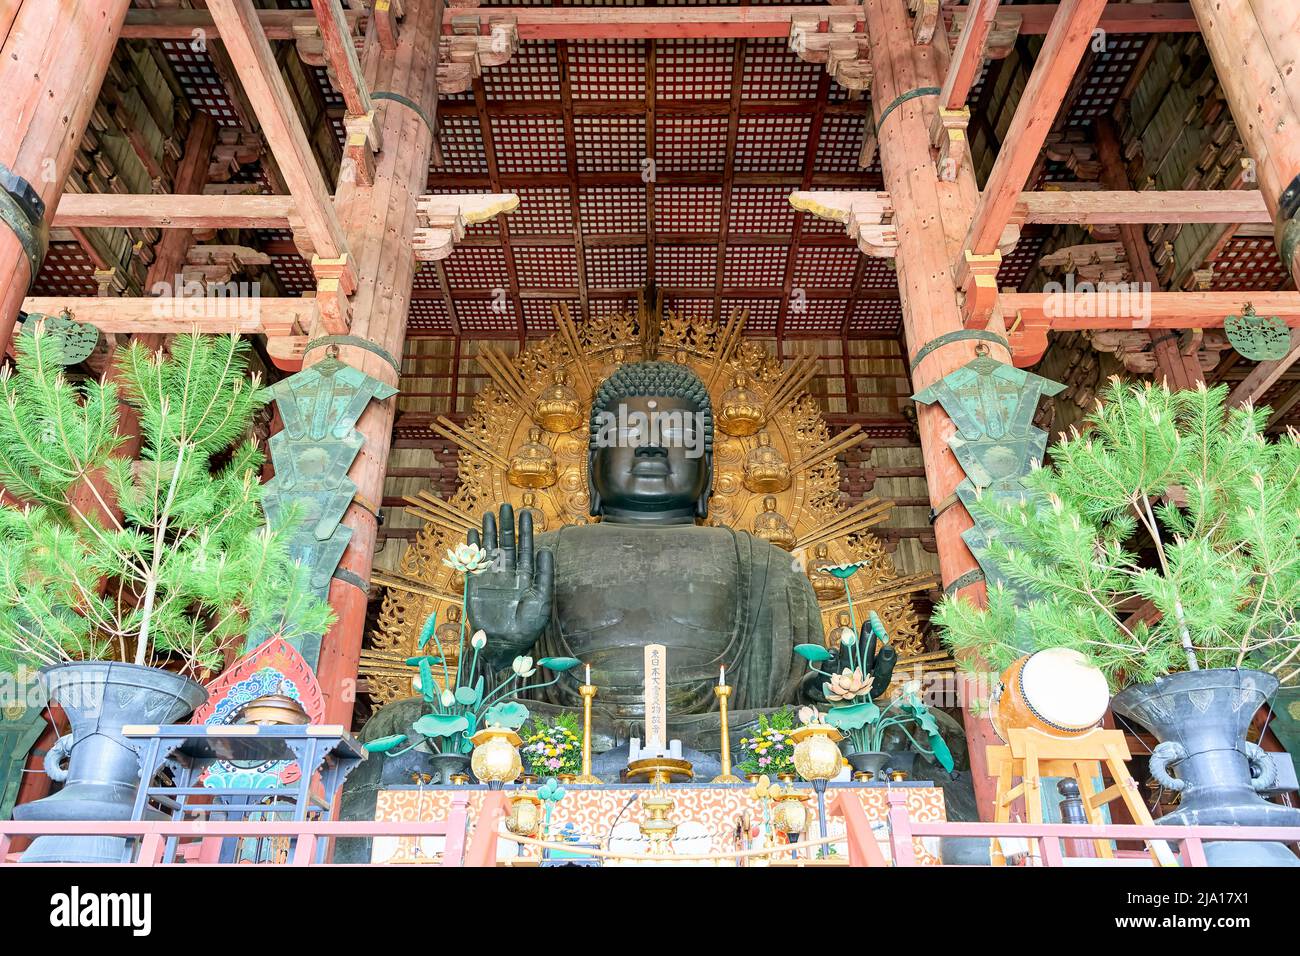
{"x":111,"y":210}
{"x":195,"y":25}
{"x":1106,"y":207}
{"x":666,"y":23}
{"x":341,"y":52}
{"x":967,"y":58}
{"x":1157,"y":310}
{"x":259,"y":74}
{"x":1048,"y":83}
{"x":249,"y":315}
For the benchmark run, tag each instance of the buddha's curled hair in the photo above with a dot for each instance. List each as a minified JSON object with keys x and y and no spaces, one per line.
{"x":660,"y":379}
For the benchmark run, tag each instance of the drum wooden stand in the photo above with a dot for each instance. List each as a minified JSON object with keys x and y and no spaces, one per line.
{"x":1032,"y":755}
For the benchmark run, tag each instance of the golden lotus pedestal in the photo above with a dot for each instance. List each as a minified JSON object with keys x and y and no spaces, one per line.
{"x":661,"y":770}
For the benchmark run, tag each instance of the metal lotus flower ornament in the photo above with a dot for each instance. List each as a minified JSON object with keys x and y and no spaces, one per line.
{"x":461,"y":706}
{"x":468,"y":559}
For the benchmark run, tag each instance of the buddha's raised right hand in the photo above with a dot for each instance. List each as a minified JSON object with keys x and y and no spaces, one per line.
{"x":511,"y":601}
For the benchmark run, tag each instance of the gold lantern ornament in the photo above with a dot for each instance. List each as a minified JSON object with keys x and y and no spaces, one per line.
{"x":790,"y":812}
{"x":740,"y":410}
{"x":558,"y":408}
{"x":816,"y":755}
{"x":495,"y":760}
{"x":525,"y":817}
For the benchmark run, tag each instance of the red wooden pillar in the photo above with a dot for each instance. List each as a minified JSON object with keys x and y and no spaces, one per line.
{"x":53,"y":58}
{"x":931,"y":216}
{"x":379,"y":221}
{"x":1255,"y":45}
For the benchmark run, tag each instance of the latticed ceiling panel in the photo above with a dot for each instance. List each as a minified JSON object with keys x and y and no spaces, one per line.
{"x":693,"y":69}
{"x":772,"y":144}
{"x":67,"y":270}
{"x":878,"y":274}
{"x":546,"y":267}
{"x":294,"y":273}
{"x":763,"y":314}
{"x":199,"y":79}
{"x":1109,"y":72}
{"x":840,"y":143}
{"x":772,"y":72}
{"x":823,"y":266}
{"x":477,"y":268}
{"x":688,"y":208}
{"x":687,"y":267}
{"x":539,"y":315}
{"x":1017,"y":264}
{"x":608,"y":69}
{"x":875,"y":316}
{"x":1249,"y":263}
{"x":528,"y":145}
{"x":760,"y":266}
{"x":492,"y":316}
{"x":690,"y":144}
{"x":542,"y":211}
{"x":532,"y":73}
{"x":610,"y":144}
{"x":429,"y":317}
{"x":462,"y":145}
{"x":822,"y":316}
{"x":616,"y":267}
{"x":761,"y":209}
{"x":612,"y":209}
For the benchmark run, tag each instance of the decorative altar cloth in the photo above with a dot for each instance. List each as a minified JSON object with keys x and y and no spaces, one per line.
{"x":593,"y":811}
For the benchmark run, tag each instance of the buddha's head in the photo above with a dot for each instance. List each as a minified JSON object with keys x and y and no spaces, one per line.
{"x":650,"y":451}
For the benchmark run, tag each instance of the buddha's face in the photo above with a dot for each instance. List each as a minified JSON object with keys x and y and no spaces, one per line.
{"x":655,"y":474}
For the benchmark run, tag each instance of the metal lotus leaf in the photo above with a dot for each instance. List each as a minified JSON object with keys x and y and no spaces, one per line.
{"x":559,"y":664}
{"x":813,"y":653}
{"x":384,"y":744}
{"x":854,"y":716}
{"x":508,"y":713}
{"x":440,"y":725}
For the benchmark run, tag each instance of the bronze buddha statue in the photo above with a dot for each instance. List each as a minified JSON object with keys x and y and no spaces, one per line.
{"x":647,"y":572}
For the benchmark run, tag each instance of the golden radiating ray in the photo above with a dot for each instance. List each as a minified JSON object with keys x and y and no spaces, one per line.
{"x":454,"y":433}
{"x":849,"y":438}
{"x":569,"y":334}
{"x":395,"y":579}
{"x":432,"y":508}
{"x":791,"y":382}
{"x":497,"y":365}
{"x":907,"y":585}
{"x":833,"y":527}
{"x":727,"y":344}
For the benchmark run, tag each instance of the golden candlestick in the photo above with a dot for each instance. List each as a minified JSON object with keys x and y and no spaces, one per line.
{"x":722,"y":692}
{"x":588,"y":692}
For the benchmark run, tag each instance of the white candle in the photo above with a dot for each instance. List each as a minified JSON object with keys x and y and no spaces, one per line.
{"x":588,"y":675}
{"x":722,"y":676}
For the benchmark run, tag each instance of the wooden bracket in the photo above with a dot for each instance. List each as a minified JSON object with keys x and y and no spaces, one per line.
{"x":1002,"y":34}
{"x":948,"y":136}
{"x":336,"y":279}
{"x":462,"y":56}
{"x":845,"y":51}
{"x":310,"y":45}
{"x":977,"y":280}
{"x":384,"y":15}
{"x":925,"y":17}
{"x":868,"y":217}
{"x":363,"y":141}
{"x":442,"y":220}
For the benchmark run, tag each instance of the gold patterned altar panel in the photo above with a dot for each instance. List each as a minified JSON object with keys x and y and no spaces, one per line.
{"x":593,"y":812}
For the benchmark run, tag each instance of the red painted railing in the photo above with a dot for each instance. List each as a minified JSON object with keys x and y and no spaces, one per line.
{"x":206,"y":835}
{"x":863,"y":848}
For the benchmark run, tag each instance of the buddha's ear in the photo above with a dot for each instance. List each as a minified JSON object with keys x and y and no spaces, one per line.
{"x":702,"y":502}
{"x":593,"y":496}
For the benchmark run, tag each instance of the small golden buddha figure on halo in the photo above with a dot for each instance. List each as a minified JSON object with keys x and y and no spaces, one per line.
{"x":841,"y":628}
{"x":558,"y":409}
{"x":740,"y":410}
{"x":772,"y":527}
{"x":766,"y":470}
{"x":539,"y":516}
{"x":533,"y":464}
{"x":826,"y":586}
